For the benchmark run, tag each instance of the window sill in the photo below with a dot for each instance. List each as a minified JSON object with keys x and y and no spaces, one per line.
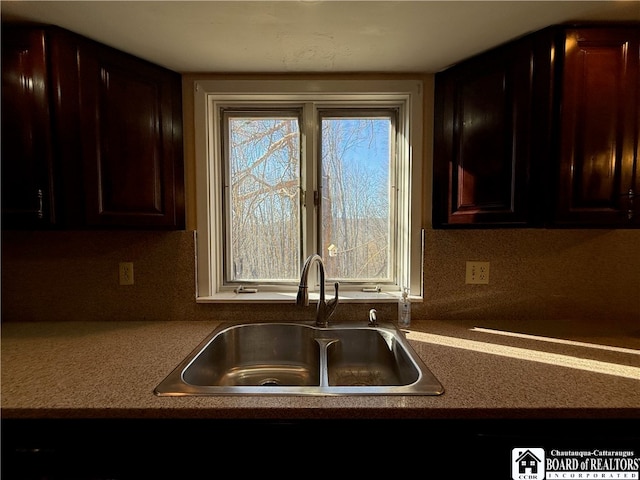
{"x":290,"y":297}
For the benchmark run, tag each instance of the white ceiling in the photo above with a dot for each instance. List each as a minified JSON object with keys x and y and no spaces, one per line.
{"x":307,"y":35}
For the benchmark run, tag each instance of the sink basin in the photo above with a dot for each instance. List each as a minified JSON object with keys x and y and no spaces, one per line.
{"x":266,"y":354}
{"x":301,"y":359}
{"x":369,"y":357}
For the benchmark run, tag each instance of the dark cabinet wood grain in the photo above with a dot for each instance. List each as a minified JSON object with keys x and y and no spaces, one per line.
{"x":483,"y":126}
{"x":599,"y":127}
{"x":92,"y":137}
{"x":27,"y":157}
{"x":131,"y":113}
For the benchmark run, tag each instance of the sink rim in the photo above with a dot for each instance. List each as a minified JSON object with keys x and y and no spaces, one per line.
{"x":426,"y":384}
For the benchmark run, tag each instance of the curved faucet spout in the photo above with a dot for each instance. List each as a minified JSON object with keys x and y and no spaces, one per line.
{"x":325,"y":309}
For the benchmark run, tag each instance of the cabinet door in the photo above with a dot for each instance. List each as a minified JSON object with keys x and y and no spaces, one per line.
{"x":599,"y":127}
{"x":27,"y":161}
{"x":482,"y":139}
{"x":131,"y":140}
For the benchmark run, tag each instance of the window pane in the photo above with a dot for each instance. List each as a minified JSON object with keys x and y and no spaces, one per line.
{"x":356,"y":156}
{"x":263,"y":212}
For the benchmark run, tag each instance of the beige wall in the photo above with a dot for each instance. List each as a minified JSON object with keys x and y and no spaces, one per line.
{"x":539,"y":274}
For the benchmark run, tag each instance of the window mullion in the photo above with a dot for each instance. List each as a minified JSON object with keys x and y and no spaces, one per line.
{"x":309,"y":181}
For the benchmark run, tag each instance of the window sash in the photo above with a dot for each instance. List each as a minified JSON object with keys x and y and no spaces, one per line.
{"x":266,"y":255}
{"x":313,"y":205}
{"x":363,"y":251}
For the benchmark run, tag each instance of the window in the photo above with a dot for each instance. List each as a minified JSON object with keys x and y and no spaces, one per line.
{"x":262,"y":208}
{"x":357,"y":201}
{"x":290,"y":168}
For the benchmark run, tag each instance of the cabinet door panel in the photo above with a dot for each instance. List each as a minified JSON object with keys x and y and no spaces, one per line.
{"x":483,"y":119}
{"x":128,"y":129}
{"x":598,"y":125}
{"x":482,"y":180}
{"x":132,"y":156}
{"x":27,"y":182}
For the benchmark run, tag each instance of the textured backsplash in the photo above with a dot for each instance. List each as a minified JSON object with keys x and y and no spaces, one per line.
{"x":534,"y":274}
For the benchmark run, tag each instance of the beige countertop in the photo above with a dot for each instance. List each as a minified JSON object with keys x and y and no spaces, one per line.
{"x":109,"y":370}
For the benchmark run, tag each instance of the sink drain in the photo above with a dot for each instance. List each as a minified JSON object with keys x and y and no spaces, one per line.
{"x":270,"y":382}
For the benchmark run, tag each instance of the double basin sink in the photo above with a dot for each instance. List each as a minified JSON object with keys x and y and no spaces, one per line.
{"x":302,"y":359}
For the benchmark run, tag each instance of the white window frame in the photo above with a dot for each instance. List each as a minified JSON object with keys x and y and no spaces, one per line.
{"x":208,"y":94}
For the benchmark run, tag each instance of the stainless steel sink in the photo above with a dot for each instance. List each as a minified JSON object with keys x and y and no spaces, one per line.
{"x":265,"y":354}
{"x":302,"y":359}
{"x":369,"y":357}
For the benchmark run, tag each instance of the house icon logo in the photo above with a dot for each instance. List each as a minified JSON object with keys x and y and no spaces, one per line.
{"x":527,"y":464}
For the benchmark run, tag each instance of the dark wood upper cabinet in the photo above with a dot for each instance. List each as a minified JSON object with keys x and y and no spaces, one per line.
{"x":542,"y":131}
{"x":599,"y":127}
{"x":92,"y":137}
{"x":482,"y":142}
{"x":131,"y":125}
{"x":27,"y":157}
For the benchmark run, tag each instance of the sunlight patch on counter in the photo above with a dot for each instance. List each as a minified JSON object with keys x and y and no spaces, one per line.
{"x":557,"y":340}
{"x":527,"y":354}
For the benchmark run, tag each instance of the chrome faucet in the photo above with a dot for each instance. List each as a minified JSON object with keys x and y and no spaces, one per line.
{"x":325,"y":309}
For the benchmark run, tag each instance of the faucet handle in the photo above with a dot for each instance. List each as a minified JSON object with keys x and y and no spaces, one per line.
{"x":334,"y":301}
{"x":373,"y":317}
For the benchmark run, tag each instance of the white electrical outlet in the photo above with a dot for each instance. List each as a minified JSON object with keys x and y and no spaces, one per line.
{"x":126,"y":273}
{"x":477,"y":273}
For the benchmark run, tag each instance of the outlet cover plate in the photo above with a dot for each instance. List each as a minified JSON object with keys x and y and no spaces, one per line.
{"x":477,"y":273}
{"x":125,"y":273}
